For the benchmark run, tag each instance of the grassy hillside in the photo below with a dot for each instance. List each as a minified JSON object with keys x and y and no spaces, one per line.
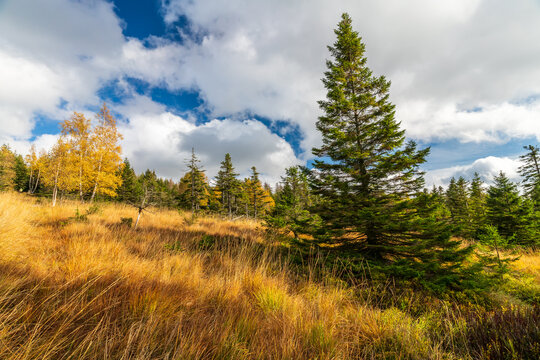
{"x":90,"y":287}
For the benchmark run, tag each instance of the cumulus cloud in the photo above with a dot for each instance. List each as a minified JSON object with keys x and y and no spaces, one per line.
{"x":52,"y":52}
{"x":158,"y":139}
{"x":487,"y":168}
{"x":443,"y":59}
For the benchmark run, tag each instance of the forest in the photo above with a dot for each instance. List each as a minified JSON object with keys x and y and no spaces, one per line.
{"x":352,"y":257}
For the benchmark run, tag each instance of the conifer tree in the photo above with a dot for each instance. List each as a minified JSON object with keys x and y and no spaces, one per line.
{"x":530,"y":170}
{"x":506,"y":210}
{"x":129,"y":190}
{"x":196,"y":182}
{"x":257,"y":195}
{"x":477,"y":205}
{"x":370,"y":173}
{"x":21,"y":174}
{"x":227,"y":184}
{"x":293,"y":201}
{"x":458,"y":203}
{"x":369,"y":184}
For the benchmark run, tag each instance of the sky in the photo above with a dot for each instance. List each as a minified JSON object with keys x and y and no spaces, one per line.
{"x":244,"y":77}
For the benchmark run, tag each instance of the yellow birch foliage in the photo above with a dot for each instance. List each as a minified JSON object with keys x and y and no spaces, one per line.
{"x":7,"y":172}
{"x":105,"y":156}
{"x":54,"y":167}
{"x":77,"y":132}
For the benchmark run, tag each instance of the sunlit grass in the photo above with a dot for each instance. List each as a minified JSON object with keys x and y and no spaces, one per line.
{"x":183,"y":288}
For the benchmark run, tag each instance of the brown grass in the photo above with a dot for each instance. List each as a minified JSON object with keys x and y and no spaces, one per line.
{"x":175,"y":289}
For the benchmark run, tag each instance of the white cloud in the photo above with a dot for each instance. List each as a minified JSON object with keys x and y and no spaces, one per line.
{"x":53,"y":51}
{"x":487,"y":168}
{"x":493,"y":123}
{"x":158,"y":139}
{"x":268,"y":57}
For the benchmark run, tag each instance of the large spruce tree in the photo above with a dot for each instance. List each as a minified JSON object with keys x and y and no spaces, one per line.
{"x":371,"y":176}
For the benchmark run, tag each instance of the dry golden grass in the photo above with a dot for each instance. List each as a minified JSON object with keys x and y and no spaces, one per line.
{"x":174,"y":289}
{"x":529,"y":262}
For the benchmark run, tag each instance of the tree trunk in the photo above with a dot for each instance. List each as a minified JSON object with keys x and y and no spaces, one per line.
{"x":37,"y":182}
{"x":30,"y":180}
{"x":138,"y":217}
{"x":97,"y":178}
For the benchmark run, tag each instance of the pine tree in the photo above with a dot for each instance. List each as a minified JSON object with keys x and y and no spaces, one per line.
{"x":458,"y":203}
{"x":196,"y":183}
{"x":505,"y":209}
{"x":370,"y":173}
{"x":21,"y":174}
{"x":530,"y":170}
{"x":369,"y":184}
{"x":260,"y":200}
{"x":227,"y":184}
{"x":293,"y":201}
{"x":477,"y":201}
{"x":129,"y":190}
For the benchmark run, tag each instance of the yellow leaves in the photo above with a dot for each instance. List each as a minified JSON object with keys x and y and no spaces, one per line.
{"x":85,"y":159}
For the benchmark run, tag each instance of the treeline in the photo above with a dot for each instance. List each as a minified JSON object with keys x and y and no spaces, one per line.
{"x":86,"y":164}
{"x":228,"y":196}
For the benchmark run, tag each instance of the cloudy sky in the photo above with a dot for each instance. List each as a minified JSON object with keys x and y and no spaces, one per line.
{"x":244,"y":76}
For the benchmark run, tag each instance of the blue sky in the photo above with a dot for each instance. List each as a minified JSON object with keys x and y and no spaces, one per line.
{"x":244,"y":77}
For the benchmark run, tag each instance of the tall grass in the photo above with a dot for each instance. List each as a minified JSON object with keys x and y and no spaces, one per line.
{"x":91,"y":287}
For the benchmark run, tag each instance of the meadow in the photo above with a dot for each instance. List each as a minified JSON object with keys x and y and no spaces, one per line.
{"x":77,"y":282}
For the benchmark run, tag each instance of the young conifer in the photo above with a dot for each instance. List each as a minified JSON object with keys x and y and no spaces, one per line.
{"x":227,"y":184}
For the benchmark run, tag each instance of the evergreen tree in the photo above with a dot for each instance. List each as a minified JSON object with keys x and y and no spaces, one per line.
{"x":227,"y":184}
{"x":507,"y":211}
{"x":477,"y":205}
{"x":369,"y":185}
{"x":129,"y":190}
{"x":293,"y":201}
{"x":439,"y":208}
{"x":196,"y":182}
{"x":21,"y":174}
{"x":458,"y":203}
{"x":530,"y":170}
{"x":260,"y":200}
